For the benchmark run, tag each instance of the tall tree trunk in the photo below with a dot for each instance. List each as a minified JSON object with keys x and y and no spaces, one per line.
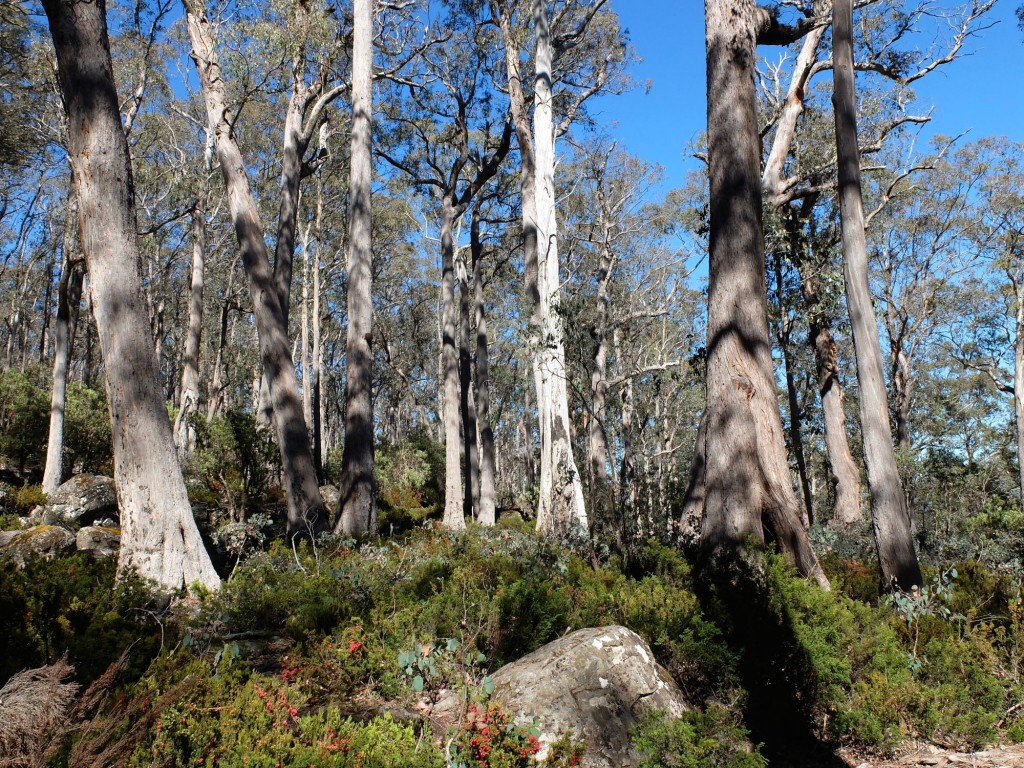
{"x":359,"y":481}
{"x":306,"y":513}
{"x":893,"y":538}
{"x":69,"y":296}
{"x":467,"y":403}
{"x":747,"y":480}
{"x":1018,"y":382}
{"x":316,"y":430}
{"x":306,"y":355}
{"x":453,"y":488}
{"x":598,"y":441}
{"x":561,"y":509}
{"x":159,"y":538}
{"x":486,"y":509}
{"x":793,"y":398}
{"x":188,"y":406}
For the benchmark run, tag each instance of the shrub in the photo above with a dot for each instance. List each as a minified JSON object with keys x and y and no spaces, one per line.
{"x":709,"y":739}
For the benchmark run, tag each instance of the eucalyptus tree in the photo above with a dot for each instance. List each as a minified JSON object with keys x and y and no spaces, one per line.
{"x":451,"y":138}
{"x":306,"y":512}
{"x":578,"y":50}
{"x":159,"y":538}
{"x":986,"y":328}
{"x":358,"y":513}
{"x":896,"y":47}
{"x":744,"y":478}
{"x":629,"y":336}
{"x":896,"y":554}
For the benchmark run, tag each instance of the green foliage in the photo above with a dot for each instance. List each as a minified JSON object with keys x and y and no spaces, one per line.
{"x":410,"y":479}
{"x":25,"y":424}
{"x":235,"y":459}
{"x":24,"y":419}
{"x":254,"y":721}
{"x":709,"y":739}
{"x":73,"y":605}
{"x":87,"y":439}
{"x":21,"y":501}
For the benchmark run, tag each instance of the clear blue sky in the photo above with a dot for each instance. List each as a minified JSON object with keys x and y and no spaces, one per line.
{"x":982,"y":92}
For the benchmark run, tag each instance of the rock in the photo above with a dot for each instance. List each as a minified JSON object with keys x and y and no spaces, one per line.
{"x":45,"y":540}
{"x":596,"y":683}
{"x":331,"y":496}
{"x":98,"y":541}
{"x":83,"y":499}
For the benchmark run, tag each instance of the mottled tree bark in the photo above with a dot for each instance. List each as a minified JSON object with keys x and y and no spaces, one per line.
{"x":748,"y":490}
{"x":159,"y":538}
{"x":359,"y":481}
{"x":306,"y":513}
{"x":893,"y":539}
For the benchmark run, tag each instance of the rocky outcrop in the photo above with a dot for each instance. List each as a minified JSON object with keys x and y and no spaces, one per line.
{"x":82,"y":500}
{"x":596,"y":683}
{"x":98,"y":541}
{"x":44,"y":540}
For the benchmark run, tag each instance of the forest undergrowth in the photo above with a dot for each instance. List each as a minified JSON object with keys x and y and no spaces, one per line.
{"x":332,"y":655}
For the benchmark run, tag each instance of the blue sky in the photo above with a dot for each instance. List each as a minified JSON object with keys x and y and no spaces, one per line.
{"x":981,"y":92}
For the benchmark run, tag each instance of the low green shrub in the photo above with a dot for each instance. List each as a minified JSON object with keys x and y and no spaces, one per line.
{"x":709,"y":739}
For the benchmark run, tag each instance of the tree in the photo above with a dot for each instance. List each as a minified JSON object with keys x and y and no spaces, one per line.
{"x":582,"y":44}
{"x":746,"y":483}
{"x":896,"y":554}
{"x":358,"y":484}
{"x":306,"y":513}
{"x":453,"y":139}
{"x":159,"y":538}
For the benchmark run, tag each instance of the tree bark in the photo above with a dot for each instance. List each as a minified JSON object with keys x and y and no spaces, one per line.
{"x":69,"y":296}
{"x":561,"y":509}
{"x":845,"y":473}
{"x":306,"y":514}
{"x":454,"y":511}
{"x":359,"y":481}
{"x":747,"y":482}
{"x":188,"y":405}
{"x":896,"y":555}
{"x":159,"y":538}
{"x":486,"y":509}
{"x":467,"y":404}
{"x":1018,"y":382}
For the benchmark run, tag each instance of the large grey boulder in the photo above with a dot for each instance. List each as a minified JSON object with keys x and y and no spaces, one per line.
{"x":45,"y":540}
{"x":596,"y":683}
{"x":83,"y":499}
{"x":98,"y":541}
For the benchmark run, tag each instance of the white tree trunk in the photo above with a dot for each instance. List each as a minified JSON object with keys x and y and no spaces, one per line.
{"x":561,"y":509}
{"x":69,"y":295}
{"x":159,"y":538}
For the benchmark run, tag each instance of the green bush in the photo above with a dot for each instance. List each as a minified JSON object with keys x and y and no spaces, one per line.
{"x":72,"y":604}
{"x":232,"y":464}
{"x":709,"y":739}
{"x":24,"y":419}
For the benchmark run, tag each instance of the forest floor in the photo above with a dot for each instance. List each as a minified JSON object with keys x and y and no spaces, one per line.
{"x":933,"y":757}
